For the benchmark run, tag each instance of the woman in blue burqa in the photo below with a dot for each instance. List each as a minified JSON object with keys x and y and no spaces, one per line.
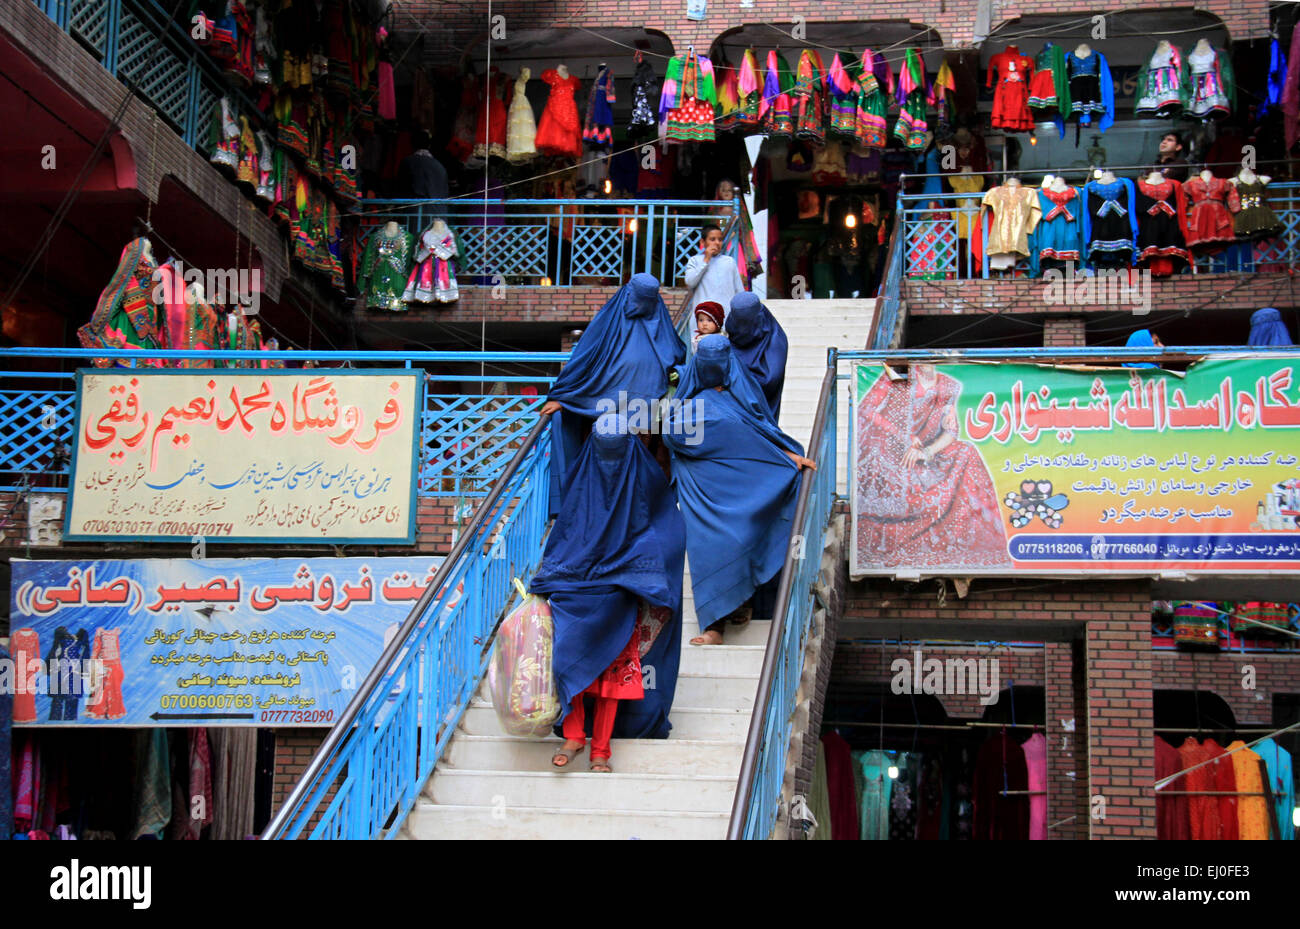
{"x":758,"y":340}
{"x":612,"y":570}
{"x":737,"y":477}
{"x":629,"y":349}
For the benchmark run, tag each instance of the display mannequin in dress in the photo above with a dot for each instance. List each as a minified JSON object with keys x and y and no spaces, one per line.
{"x":1255,"y":219}
{"x":1059,"y":185}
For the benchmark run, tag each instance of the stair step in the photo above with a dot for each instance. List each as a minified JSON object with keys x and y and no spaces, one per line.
{"x":722,"y":660}
{"x":581,"y":789}
{"x":724,"y":692}
{"x":753,"y":633}
{"x":431,"y":821}
{"x":647,"y":756}
{"x":690,"y":723}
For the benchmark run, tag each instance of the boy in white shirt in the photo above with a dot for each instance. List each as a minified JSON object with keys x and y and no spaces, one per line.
{"x":711,"y":275}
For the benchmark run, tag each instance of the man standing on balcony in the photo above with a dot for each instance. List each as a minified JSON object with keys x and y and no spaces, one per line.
{"x":711,"y":275}
{"x":422,"y":175}
{"x":1172,"y":161}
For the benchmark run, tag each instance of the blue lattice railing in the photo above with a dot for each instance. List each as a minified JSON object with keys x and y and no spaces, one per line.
{"x":561,"y":243}
{"x":467,"y":438}
{"x":933,"y":247}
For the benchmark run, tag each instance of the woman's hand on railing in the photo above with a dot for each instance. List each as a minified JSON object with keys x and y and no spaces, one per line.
{"x":551,"y":406}
{"x":803,"y":462}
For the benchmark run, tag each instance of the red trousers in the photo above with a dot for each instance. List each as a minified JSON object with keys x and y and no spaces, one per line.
{"x":575,"y":724}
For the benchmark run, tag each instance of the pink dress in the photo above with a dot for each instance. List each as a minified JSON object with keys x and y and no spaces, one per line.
{"x":1036,"y":759}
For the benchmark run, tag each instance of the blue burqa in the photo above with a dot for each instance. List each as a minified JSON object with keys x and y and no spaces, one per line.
{"x":618,"y":539}
{"x":1140,"y":339}
{"x":736,"y":484}
{"x":1267,"y":328}
{"x":627,"y":349}
{"x":758,"y":340}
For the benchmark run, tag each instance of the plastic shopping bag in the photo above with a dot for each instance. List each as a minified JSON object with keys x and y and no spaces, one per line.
{"x":520,"y":677}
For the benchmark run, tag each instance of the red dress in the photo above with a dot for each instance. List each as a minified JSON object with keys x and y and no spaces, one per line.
{"x":1011,"y":99}
{"x":25,"y":647}
{"x":107,"y":701}
{"x":1213,"y":204}
{"x":939,"y":513}
{"x":1203,"y":810}
{"x":490,"y":133}
{"x":559,"y":132}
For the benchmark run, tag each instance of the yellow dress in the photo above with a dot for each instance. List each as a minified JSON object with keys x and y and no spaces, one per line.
{"x":966,"y":184}
{"x":1015,"y":214}
{"x":1252,"y":812}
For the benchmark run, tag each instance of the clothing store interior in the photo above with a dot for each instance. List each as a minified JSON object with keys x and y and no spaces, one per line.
{"x":896,"y":763}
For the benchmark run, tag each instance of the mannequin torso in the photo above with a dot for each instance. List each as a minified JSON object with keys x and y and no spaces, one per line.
{"x":1059,"y":185}
{"x":1106,"y":177}
{"x":1082,"y":50}
{"x":563,"y":72}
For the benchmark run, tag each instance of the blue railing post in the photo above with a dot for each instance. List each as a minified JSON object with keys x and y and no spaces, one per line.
{"x":112,"y":36}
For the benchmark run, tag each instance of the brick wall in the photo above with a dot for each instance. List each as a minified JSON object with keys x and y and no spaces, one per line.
{"x":293,"y":752}
{"x":1221,"y":673}
{"x":461,"y":26}
{"x":1065,"y":332}
{"x":569,"y":306}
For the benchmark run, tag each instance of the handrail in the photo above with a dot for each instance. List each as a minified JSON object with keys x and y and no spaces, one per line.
{"x":329,"y":748}
{"x":754,"y":741}
{"x":891,"y":289}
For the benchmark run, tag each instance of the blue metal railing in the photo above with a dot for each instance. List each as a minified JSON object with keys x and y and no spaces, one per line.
{"x":136,"y":42}
{"x":368,"y":773}
{"x":890,"y":299}
{"x":561,"y":243}
{"x":758,"y":794}
{"x":934,"y":248}
{"x":466,"y":439}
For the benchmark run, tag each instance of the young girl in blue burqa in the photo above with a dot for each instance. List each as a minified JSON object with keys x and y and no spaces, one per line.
{"x":612,"y":570}
{"x":737,"y":477}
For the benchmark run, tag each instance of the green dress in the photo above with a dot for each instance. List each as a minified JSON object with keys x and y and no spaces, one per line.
{"x":385,"y":270}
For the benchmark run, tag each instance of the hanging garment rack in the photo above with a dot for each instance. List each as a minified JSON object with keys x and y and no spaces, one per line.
{"x":1069,"y":169}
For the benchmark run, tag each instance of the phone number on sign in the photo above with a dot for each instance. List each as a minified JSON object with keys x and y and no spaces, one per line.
{"x":297,"y":716}
{"x":207,"y":701}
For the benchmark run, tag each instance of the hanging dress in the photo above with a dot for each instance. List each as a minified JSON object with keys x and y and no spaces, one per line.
{"x":1012,"y":72}
{"x":943,"y":97}
{"x":598,"y":129}
{"x":686,"y":106}
{"x":461,"y":145}
{"x":521,"y":129}
{"x":559,"y":132}
{"x":871,"y":128}
{"x":126,"y":314}
{"x":775,"y":106}
{"x":384,"y":270}
{"x":1110,"y":223}
{"x":434,"y":276}
{"x":911,"y":96}
{"x":728,"y":79}
{"x":809,"y":98}
{"x":1210,"y":224}
{"x":1016,"y":212}
{"x":749,"y":91}
{"x":967,"y":207}
{"x":1058,"y":239}
{"x":645,"y":91}
{"x":105,"y":701}
{"x":1160,"y":83}
{"x":1210,"y":92}
{"x":1162,"y":239}
{"x":1091,"y":92}
{"x":1256,"y":219}
{"x":1049,"y":88}
{"x":843,"y":99}
{"x":490,"y":134}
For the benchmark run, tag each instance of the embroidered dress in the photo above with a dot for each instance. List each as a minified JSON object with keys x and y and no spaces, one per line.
{"x":686,"y":106}
{"x":966,"y":184}
{"x":559,"y":132}
{"x":1210,"y":223}
{"x":749,"y":91}
{"x":598,"y":130}
{"x":645,"y":91}
{"x":384,"y":270}
{"x":1059,"y":236}
{"x":249,"y":162}
{"x":1015,"y":213}
{"x":521,"y":133}
{"x":126,"y":315}
{"x":727,"y":79}
{"x":1162,"y":240}
{"x":1110,"y":224}
{"x":1091,"y":92}
{"x":1012,"y":72}
{"x":264,"y":188}
{"x":943,"y":95}
{"x":191,"y":324}
{"x":809,"y":98}
{"x":911,"y":95}
{"x":870,"y":127}
{"x":1160,"y":83}
{"x":1256,"y":219}
{"x":223,"y":140}
{"x":433,"y":277}
{"x":775,"y":106}
{"x":1210,"y":91}
{"x":1049,"y":88}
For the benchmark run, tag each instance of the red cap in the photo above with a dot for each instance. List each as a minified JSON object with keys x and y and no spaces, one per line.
{"x":712,"y":310}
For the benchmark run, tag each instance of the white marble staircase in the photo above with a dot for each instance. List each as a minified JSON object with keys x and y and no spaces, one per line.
{"x":493,"y":786}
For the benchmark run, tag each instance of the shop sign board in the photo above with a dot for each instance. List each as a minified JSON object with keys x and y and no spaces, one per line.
{"x":1019,"y":469}
{"x":265,"y":456}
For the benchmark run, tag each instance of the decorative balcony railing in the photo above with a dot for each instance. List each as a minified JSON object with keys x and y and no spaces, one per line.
{"x":466,"y":439}
{"x":562,"y":243}
{"x":934,"y":247}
